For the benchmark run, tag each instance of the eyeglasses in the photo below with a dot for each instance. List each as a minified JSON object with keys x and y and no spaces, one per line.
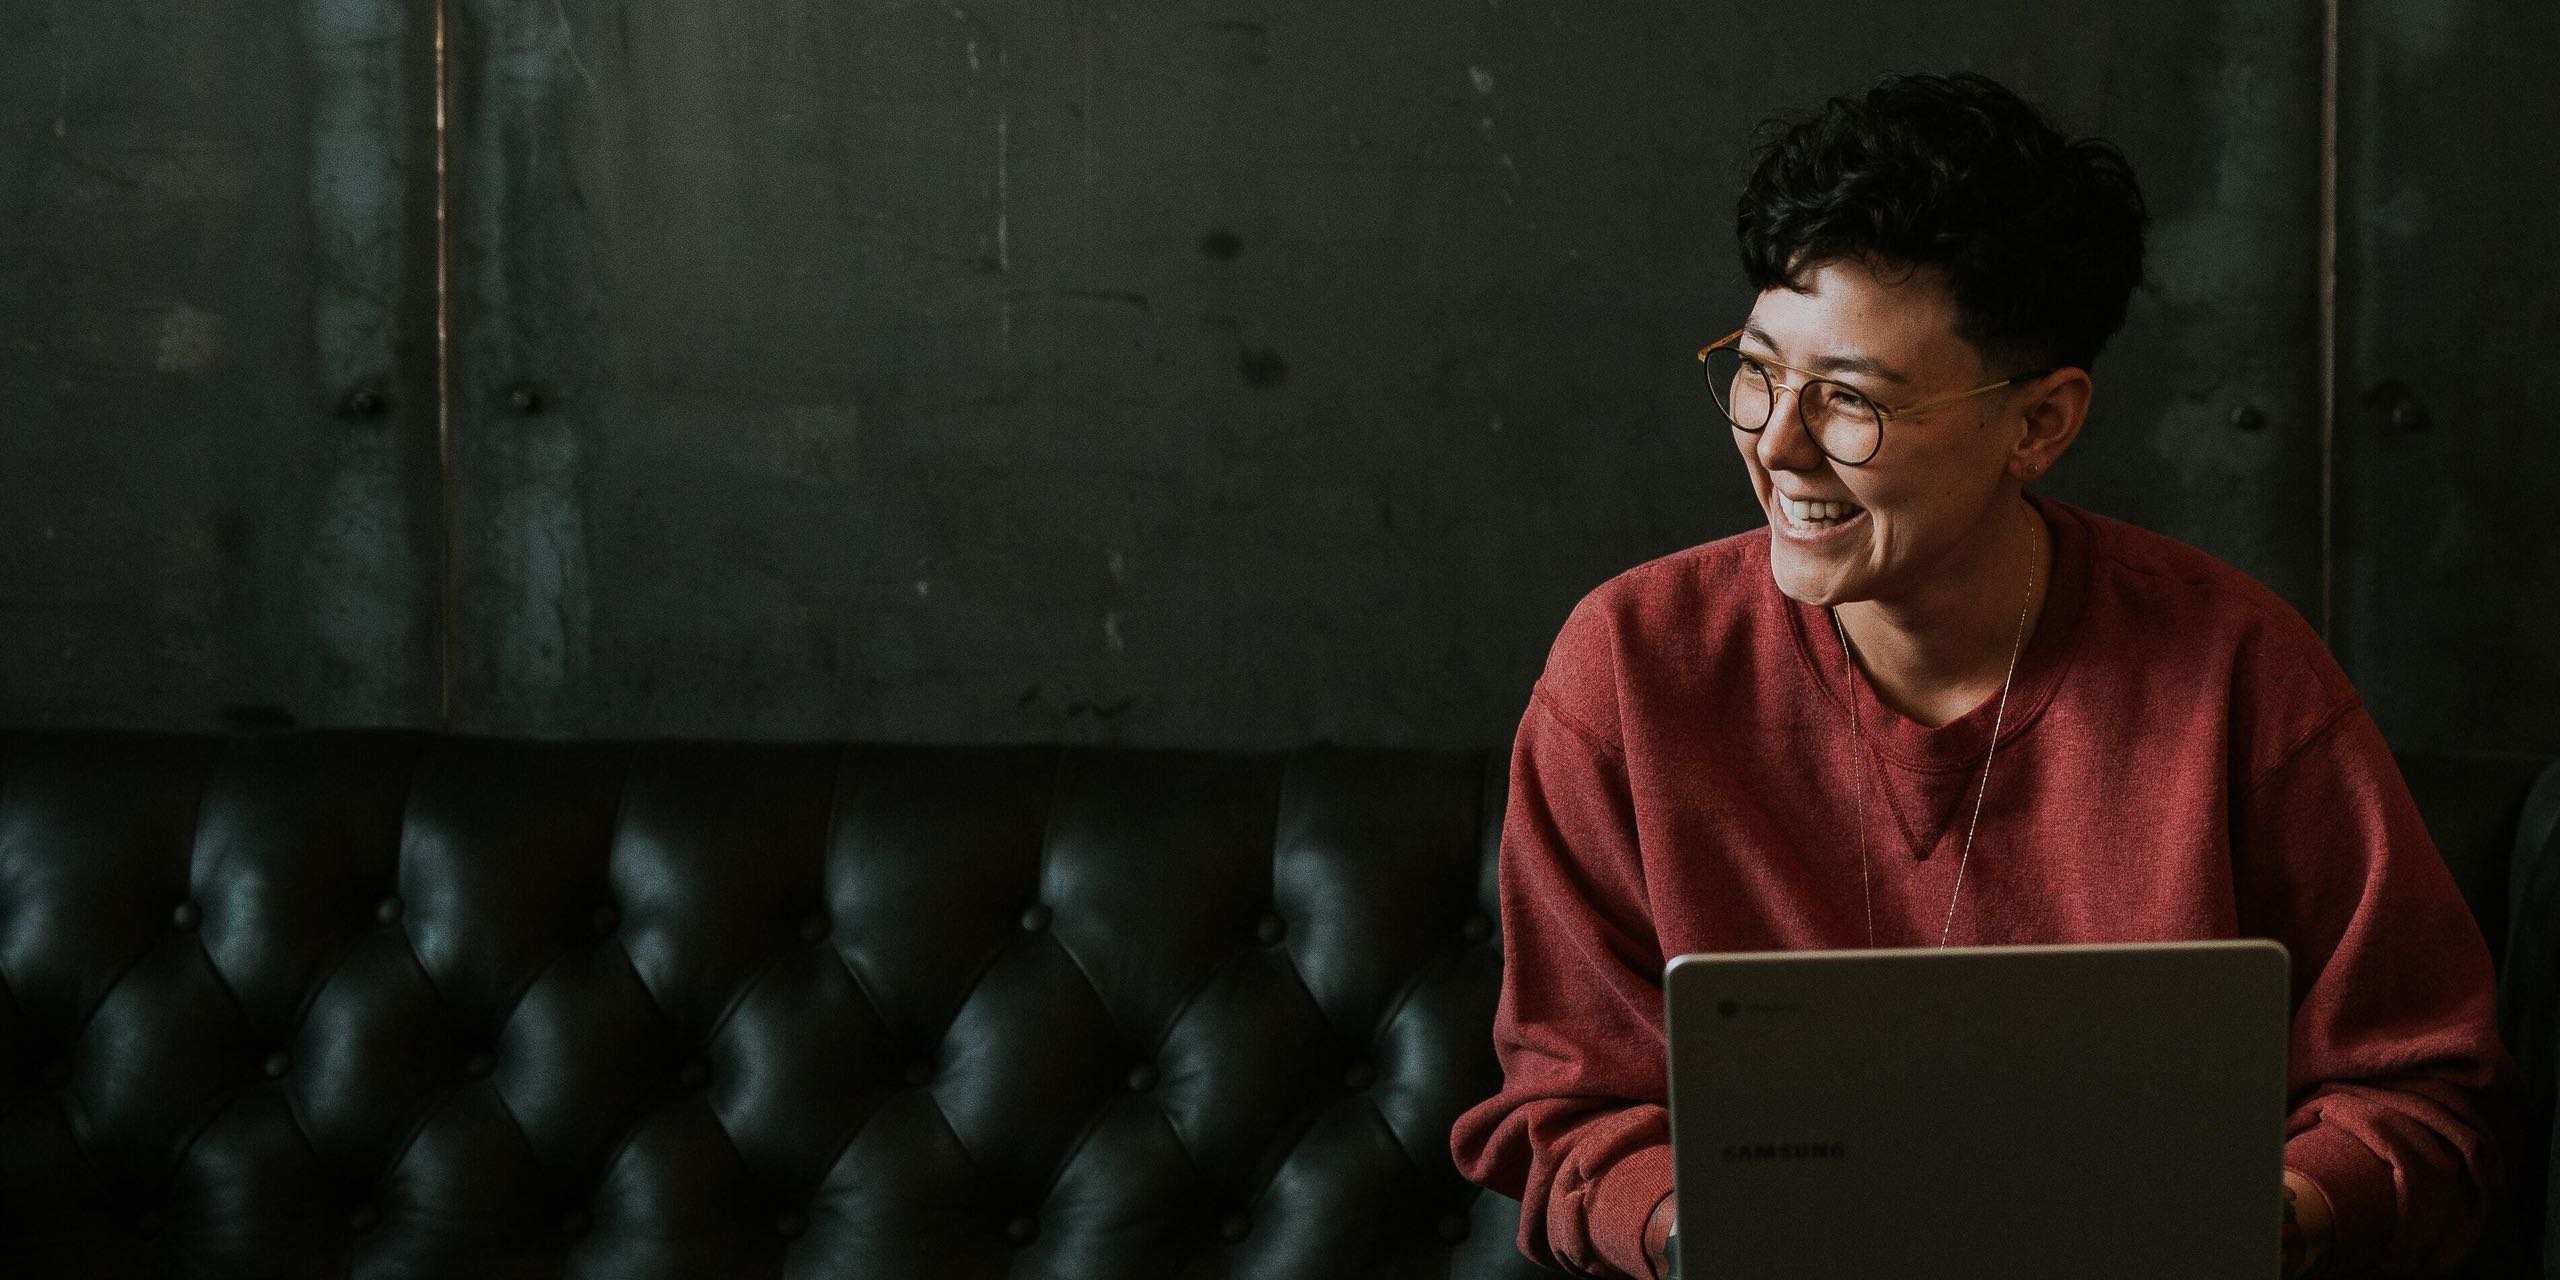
{"x":1844,"y":422}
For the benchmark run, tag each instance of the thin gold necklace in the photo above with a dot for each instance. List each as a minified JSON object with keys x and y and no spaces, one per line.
{"x":1858,"y":744}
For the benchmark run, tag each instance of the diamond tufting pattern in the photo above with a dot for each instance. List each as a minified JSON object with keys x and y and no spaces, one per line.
{"x":407,"y":1005}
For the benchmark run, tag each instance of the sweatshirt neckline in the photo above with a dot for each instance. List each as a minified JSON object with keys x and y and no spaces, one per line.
{"x":1960,"y":742}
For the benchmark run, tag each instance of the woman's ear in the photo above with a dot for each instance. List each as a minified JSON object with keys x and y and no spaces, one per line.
{"x":2052,"y":409}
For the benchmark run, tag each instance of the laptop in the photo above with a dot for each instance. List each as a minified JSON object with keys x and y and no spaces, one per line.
{"x":2109,"y":1110}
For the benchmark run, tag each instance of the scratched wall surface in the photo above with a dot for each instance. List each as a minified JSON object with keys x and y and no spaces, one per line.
{"x":216,"y":415}
{"x":2449,"y":372}
{"x":1222,"y":374}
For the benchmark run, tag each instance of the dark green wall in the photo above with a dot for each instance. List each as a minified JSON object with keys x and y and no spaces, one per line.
{"x":214,"y":230}
{"x":2449,"y":372}
{"x":1209,"y":374}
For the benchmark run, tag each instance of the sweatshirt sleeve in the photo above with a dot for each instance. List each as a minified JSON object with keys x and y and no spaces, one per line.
{"x":2396,"y":1076}
{"x":1579,"y":1132}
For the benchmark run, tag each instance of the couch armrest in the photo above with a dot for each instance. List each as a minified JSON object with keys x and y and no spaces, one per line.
{"x":2529,"y":997}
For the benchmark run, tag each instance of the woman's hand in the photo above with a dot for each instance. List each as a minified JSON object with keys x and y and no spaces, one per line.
{"x":1658,"y":1227}
{"x":2307,"y":1229}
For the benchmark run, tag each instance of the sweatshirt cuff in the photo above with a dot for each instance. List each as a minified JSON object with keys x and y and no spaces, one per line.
{"x":1622,"y":1201}
{"x":2363,"y":1209}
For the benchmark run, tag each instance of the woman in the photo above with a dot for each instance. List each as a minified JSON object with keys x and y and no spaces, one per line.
{"x":1923,"y":707}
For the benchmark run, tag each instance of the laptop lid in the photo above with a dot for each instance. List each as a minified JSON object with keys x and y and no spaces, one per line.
{"x":2093,"y":1111}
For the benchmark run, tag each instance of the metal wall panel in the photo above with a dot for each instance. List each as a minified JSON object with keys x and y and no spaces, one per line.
{"x":1224,"y":374}
{"x":208,"y":237}
{"x":1211,"y":376}
{"x":2449,"y":372}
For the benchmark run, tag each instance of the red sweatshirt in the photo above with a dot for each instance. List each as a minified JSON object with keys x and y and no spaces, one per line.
{"x":2181,"y":759}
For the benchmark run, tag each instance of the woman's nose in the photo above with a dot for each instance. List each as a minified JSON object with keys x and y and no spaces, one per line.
{"x":1784,"y":444}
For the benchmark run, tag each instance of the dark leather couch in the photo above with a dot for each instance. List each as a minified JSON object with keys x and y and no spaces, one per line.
{"x":402,"y":1005}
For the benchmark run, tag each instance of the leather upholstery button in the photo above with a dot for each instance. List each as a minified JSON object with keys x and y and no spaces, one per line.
{"x":1359,"y":1075}
{"x":480,"y":1064}
{"x":1479,"y":928}
{"x":186,"y":916}
{"x":605,"y":920}
{"x":1453,"y":1228}
{"x":814,"y":928}
{"x":789,"y":1223}
{"x":276,"y":1065}
{"x":1233,"y":1228}
{"x":388,"y":910}
{"x":693,"y":1075}
{"x":1022,"y":1230}
{"x":574,"y":1223}
{"x":363,"y":1219}
{"x":919,"y":1073}
{"x":1271,"y":930}
{"x":1142,"y":1077}
{"x":1035,"y":918}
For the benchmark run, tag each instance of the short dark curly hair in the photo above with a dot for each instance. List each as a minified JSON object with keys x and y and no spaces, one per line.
{"x":2039,"y":235}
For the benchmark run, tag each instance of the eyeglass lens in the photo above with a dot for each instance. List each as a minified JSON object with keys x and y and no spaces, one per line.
{"x":1842,"y":422}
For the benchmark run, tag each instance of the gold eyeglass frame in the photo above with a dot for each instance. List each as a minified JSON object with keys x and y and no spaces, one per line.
{"x":1884,"y":414}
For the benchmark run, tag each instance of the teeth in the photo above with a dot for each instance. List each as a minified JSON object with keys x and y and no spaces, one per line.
{"x":1810,"y":512}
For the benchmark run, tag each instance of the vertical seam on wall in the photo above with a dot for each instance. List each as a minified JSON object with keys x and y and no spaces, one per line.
{"x":444,"y":378}
{"x":2328,"y":317}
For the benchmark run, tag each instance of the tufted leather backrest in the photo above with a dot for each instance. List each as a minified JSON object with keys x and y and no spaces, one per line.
{"x":400,"y":1005}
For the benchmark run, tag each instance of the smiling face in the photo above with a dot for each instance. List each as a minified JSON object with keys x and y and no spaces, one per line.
{"x":1941,"y":489}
